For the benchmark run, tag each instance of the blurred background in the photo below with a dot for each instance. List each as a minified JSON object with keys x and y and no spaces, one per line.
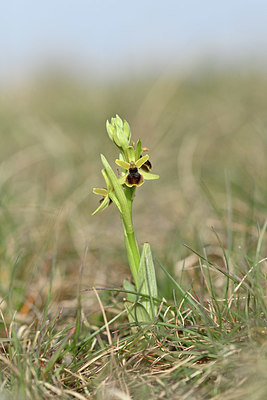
{"x":115,"y":39}
{"x":189,"y":77}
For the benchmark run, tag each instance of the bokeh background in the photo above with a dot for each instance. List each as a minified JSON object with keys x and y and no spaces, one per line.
{"x":115,"y":39}
{"x":190,"y":78}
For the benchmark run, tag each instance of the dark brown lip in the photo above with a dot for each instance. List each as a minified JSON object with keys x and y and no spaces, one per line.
{"x":134,"y":177}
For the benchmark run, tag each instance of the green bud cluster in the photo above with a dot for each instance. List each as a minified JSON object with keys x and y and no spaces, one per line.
{"x":119,"y":132}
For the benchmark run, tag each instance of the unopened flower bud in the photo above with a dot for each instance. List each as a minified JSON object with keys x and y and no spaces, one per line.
{"x":119,"y":132}
{"x":127,"y":130}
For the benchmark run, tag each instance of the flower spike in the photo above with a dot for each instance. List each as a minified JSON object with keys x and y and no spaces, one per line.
{"x":135,"y":169}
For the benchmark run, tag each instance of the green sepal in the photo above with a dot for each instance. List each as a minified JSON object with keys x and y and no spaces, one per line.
{"x":131,"y":153}
{"x":148,"y":176}
{"x":138,"y":149}
{"x":102,"y":206}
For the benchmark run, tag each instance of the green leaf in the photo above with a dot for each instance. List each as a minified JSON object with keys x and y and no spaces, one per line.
{"x":147,"y":280}
{"x":136,"y":311}
{"x":129,"y":286}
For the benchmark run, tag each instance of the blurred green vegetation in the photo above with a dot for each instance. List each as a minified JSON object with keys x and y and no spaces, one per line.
{"x":207,"y":139}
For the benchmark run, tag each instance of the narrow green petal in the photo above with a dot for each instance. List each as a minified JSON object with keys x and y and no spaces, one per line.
{"x":149,"y":177}
{"x":141,"y":161}
{"x":100,"y":191}
{"x":123,"y":164}
{"x":104,"y":204}
{"x":131,"y":153}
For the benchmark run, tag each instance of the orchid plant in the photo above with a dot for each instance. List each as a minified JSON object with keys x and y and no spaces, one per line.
{"x":120,"y":190}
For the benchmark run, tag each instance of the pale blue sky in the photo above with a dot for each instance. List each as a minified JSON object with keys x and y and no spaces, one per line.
{"x":116,"y":36}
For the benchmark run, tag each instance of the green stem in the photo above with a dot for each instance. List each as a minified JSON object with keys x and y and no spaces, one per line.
{"x":131,"y":255}
{"x":132,"y":249}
